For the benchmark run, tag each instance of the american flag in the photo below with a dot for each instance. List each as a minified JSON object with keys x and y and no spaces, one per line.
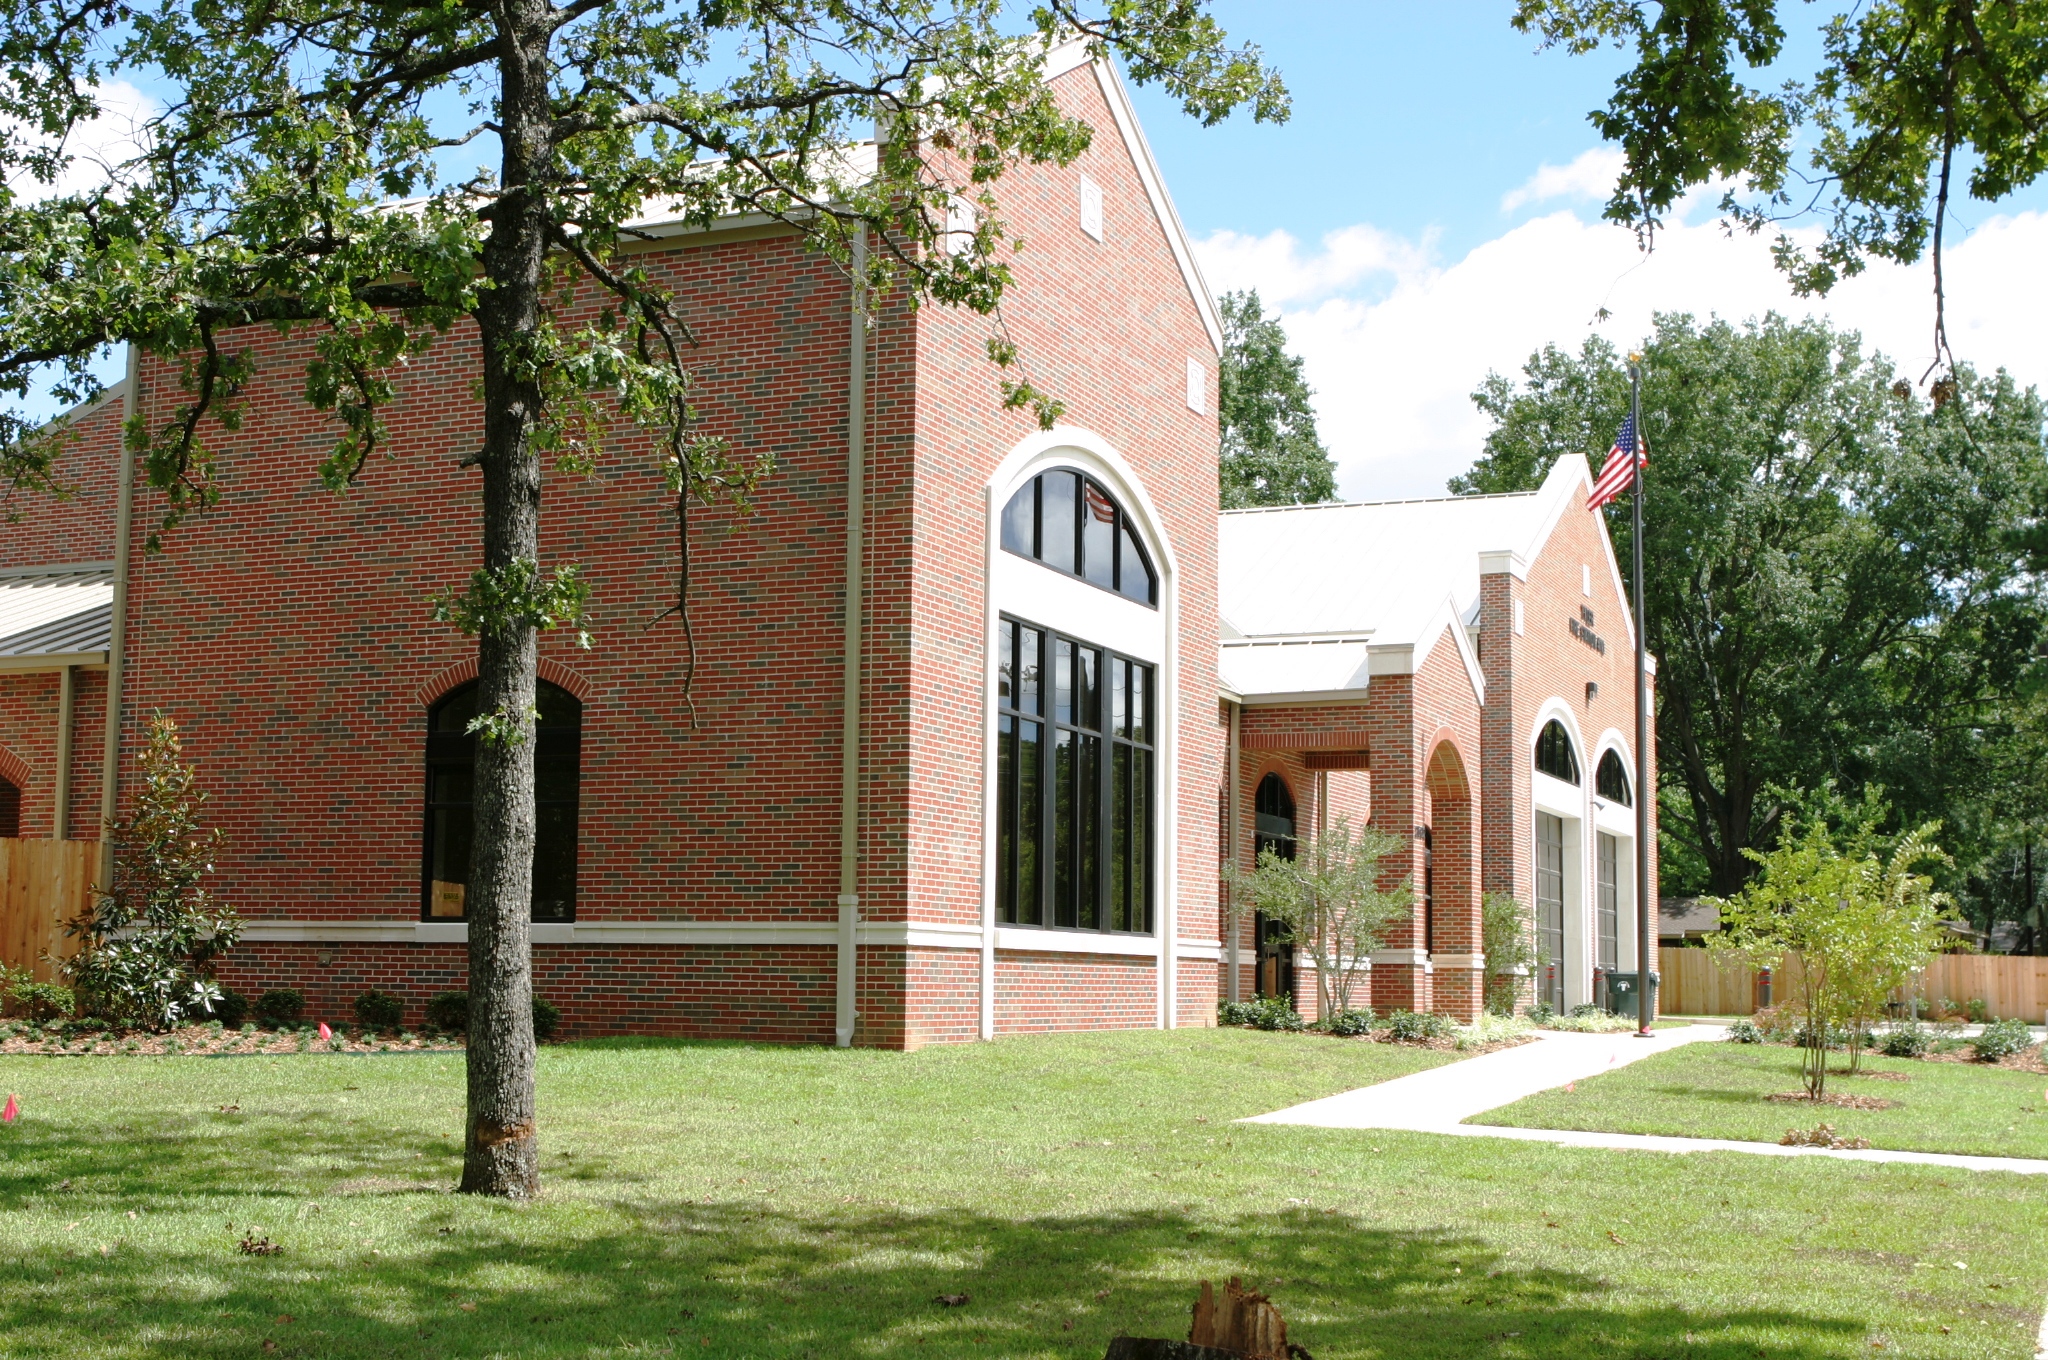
{"x":1616,"y":471}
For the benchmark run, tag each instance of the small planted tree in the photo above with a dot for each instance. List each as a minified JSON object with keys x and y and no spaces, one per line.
{"x":1861,"y":922}
{"x":1328,"y":900}
{"x":149,"y":940}
{"x":1507,"y":933}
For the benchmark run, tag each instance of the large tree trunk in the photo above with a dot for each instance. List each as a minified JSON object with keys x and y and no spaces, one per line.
{"x":501,"y":1156}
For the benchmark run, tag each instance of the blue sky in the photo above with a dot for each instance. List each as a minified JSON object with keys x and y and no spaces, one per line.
{"x":1432,"y":210}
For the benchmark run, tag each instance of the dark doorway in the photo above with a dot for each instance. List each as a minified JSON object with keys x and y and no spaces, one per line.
{"x":1550,"y":910}
{"x":1273,"y":830}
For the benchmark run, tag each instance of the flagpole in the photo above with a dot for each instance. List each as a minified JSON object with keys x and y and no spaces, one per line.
{"x":1646,"y":938}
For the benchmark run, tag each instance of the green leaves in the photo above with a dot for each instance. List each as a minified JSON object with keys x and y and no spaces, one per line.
{"x":516,"y":596}
{"x":1271,"y":454}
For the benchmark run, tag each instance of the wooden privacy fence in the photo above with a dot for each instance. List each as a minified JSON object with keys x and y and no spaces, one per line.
{"x":43,"y":884}
{"x":1693,"y":982}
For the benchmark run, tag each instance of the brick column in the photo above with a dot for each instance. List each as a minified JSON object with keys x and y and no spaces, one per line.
{"x":1458,"y":979}
{"x":1400,"y":979}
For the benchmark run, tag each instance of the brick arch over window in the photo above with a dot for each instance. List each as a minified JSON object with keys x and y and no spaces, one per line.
{"x":462,"y":672}
{"x":14,"y":777}
{"x":1451,"y":882}
{"x":14,"y":769}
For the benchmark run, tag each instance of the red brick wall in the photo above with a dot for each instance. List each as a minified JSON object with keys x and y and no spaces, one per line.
{"x":287,"y":630}
{"x":62,"y":530}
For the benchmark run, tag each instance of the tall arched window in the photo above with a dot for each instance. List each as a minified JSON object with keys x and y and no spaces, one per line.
{"x":451,"y":804}
{"x":1610,"y":779}
{"x":1068,"y":522}
{"x":1554,"y":754}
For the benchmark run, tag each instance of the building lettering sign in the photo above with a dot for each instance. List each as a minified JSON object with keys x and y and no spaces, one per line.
{"x":1582,"y":629}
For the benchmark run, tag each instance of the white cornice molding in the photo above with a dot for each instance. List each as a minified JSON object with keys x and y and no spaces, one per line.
{"x":711,"y":934}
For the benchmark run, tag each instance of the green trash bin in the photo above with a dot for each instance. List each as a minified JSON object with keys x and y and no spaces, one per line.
{"x":1622,"y":991}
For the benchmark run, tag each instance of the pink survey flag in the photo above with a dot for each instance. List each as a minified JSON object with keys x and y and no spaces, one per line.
{"x":325,"y":1033}
{"x":12,"y":1112}
{"x":1571,"y":1086}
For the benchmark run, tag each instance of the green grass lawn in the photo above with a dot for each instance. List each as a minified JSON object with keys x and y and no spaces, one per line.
{"x":1718,"y":1090}
{"x":730,"y":1201}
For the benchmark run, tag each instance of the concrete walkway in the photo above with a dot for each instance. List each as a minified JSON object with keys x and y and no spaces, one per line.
{"x":1442,"y":1098}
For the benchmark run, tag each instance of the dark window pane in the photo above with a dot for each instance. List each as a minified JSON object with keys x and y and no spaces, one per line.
{"x":1006,"y":664}
{"x":1019,"y":535}
{"x":1098,"y":536}
{"x":1610,"y":781}
{"x":1088,"y":815}
{"x":1141,"y":839}
{"x":1030,"y":822}
{"x":1088,"y":688}
{"x":1141,"y":703}
{"x":1608,"y":904}
{"x":1006,"y":818}
{"x":1121,"y":882}
{"x":1030,"y":668}
{"x":452,"y":830}
{"x":1134,"y":572}
{"x":554,"y":780}
{"x":1066,"y":847}
{"x":1057,"y":494}
{"x":1554,"y":754}
{"x":558,"y":707}
{"x":452,"y":784}
{"x":554,"y":862}
{"x":456,"y":710}
{"x":1062,"y":680}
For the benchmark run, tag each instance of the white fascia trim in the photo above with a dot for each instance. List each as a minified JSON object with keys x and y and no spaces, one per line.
{"x":1497,"y":560}
{"x":1355,"y":695}
{"x":1197,"y":949}
{"x":1406,"y":658}
{"x":1126,"y":116}
{"x":1036,"y":940}
{"x":51,"y":661}
{"x":1395,"y":958}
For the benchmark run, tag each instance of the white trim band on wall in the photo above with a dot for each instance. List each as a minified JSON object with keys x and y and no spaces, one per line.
{"x":767,"y":934}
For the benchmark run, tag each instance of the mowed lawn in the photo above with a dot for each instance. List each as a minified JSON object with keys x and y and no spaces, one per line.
{"x":731,"y":1201}
{"x":1720,"y":1090}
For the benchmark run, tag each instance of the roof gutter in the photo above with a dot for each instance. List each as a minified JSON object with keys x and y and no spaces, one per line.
{"x":847,"y":1013}
{"x":117,"y":631}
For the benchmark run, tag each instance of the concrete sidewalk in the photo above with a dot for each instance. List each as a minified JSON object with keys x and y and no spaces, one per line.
{"x":1441,"y":1099}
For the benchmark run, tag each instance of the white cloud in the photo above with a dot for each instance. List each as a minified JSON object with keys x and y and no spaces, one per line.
{"x":97,"y":148}
{"x":1591,"y":175}
{"x":1394,"y":341}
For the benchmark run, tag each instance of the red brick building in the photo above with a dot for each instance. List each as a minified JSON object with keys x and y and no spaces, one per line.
{"x":1460,"y":671}
{"x":950,"y":763}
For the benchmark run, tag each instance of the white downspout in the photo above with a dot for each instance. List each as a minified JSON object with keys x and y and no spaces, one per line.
{"x":847,"y":1014}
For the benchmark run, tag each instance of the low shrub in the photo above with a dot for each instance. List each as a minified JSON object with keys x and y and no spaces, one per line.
{"x":1906,"y":1041}
{"x":450,"y":1011}
{"x":231,"y":1008}
{"x":1491,"y":1029}
{"x":41,"y":1000}
{"x":1348,"y":1023}
{"x":1267,"y":1012}
{"x":1586,"y":1008}
{"x":1413,"y":1026}
{"x":1541,"y":1012}
{"x":281,"y":1007}
{"x":380,"y":1010}
{"x":1745,"y":1031}
{"x":1595,"y":1021}
{"x":2002,"y":1039}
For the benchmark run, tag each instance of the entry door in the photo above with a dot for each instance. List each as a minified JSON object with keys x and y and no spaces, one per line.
{"x":1550,"y":909}
{"x":1610,"y":902}
{"x":1276,"y":957}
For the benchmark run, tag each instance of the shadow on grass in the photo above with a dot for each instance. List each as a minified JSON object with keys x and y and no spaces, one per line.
{"x":572,"y":1276}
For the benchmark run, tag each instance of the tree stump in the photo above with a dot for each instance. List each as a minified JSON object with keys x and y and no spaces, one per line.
{"x":1243,"y":1321}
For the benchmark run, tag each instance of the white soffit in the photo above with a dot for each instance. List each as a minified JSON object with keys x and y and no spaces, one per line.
{"x":53,"y":611}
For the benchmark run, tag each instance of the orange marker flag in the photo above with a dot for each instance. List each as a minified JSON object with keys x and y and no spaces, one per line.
{"x":325,"y":1033}
{"x":13,"y":1110}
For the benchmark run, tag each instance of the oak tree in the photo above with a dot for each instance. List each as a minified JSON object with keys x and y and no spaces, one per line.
{"x":1271,"y":453}
{"x":303,"y":173}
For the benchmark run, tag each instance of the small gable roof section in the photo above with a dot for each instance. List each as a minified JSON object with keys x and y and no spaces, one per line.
{"x":1317,"y":599}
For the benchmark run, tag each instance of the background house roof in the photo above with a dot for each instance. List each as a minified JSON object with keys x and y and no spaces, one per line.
{"x":48,"y":613}
{"x":1307,"y":592}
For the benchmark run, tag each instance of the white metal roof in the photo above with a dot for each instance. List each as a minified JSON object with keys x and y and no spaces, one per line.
{"x":1309,"y":594}
{"x":54,"y":615}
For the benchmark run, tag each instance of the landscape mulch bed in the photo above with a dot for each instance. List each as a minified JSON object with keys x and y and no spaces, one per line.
{"x":200,"y":1041}
{"x":2028,"y":1061}
{"x":1847,"y":1102}
{"x":1447,"y":1045}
